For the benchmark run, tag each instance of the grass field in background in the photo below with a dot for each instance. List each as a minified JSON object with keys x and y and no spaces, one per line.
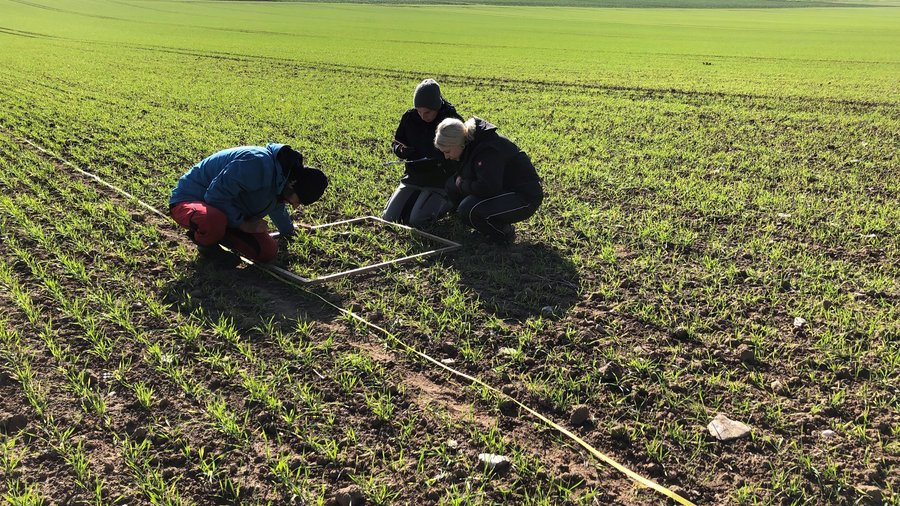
{"x":711,"y":175}
{"x":825,"y":53}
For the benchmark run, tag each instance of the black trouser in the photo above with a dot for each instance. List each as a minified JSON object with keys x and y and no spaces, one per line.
{"x":490,"y":215}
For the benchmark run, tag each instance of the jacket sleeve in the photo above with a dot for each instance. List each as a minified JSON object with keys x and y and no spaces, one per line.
{"x":282,"y":220}
{"x":239,"y":176}
{"x":400,"y":145}
{"x":487,"y":169}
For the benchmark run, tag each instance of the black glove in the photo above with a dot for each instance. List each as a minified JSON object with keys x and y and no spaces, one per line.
{"x":453,"y":193}
{"x":407,"y":152}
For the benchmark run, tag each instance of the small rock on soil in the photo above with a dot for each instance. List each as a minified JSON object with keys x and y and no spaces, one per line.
{"x":580,"y":414}
{"x":680,"y":334}
{"x":14,"y":423}
{"x":726,"y":429}
{"x":350,"y":496}
{"x":745,"y":354}
{"x":870,"y":495}
{"x":493,"y":462}
{"x":777,"y":387}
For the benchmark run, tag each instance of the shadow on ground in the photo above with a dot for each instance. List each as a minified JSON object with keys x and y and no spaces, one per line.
{"x":247,"y":294}
{"x":517,"y":281}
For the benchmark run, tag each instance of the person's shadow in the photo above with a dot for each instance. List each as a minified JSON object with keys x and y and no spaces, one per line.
{"x":516,"y":281}
{"x":247,"y":295}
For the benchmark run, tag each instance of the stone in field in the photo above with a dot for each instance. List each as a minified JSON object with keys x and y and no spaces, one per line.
{"x":580,"y":414}
{"x":508,"y":351}
{"x":610,"y":372}
{"x":745,"y":353}
{"x":547,"y":311}
{"x":680,"y":334}
{"x":509,"y":407}
{"x":779,"y":388}
{"x":449,"y":349}
{"x":870,"y":495}
{"x":828,"y":434}
{"x":726,"y":429}
{"x":493,"y":462}
{"x":448,"y":361}
{"x":619,"y":432}
{"x":14,"y":423}
{"x":799,"y":322}
{"x":350,"y":496}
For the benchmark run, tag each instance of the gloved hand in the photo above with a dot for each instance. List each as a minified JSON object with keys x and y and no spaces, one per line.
{"x":453,"y":193}
{"x":405,"y":152}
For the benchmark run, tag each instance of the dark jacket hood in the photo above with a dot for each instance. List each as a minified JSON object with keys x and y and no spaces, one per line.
{"x":484,"y":129}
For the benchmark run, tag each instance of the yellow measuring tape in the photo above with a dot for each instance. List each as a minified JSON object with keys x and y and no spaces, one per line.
{"x":286,"y":276}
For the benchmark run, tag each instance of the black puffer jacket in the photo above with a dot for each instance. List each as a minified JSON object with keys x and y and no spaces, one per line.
{"x":491,"y":164}
{"x":414,"y":139}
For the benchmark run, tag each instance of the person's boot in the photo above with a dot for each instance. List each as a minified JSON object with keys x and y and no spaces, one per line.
{"x":218,"y":256}
{"x":509,"y":234}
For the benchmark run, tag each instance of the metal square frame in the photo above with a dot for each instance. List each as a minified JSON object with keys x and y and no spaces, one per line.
{"x":448,"y":247}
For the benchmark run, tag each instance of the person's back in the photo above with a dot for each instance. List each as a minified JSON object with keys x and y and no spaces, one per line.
{"x":492,"y":164}
{"x":223,"y":200}
{"x":243,"y":182}
{"x":497,"y":184}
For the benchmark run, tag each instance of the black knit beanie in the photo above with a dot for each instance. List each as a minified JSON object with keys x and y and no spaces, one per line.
{"x":428,"y":94}
{"x":309,"y":184}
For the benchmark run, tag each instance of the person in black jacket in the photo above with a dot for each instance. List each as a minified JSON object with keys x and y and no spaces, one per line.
{"x":421,"y":197}
{"x":496,"y":184}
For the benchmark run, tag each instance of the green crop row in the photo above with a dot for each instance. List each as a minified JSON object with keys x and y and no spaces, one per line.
{"x":711,"y":176}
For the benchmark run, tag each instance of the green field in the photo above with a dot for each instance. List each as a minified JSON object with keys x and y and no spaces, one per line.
{"x":711,"y":174}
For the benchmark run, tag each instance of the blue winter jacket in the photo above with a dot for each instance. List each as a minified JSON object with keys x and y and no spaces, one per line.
{"x":242,"y":182}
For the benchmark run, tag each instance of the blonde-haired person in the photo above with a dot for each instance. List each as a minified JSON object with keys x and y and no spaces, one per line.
{"x":420,"y":198}
{"x":496,"y":183}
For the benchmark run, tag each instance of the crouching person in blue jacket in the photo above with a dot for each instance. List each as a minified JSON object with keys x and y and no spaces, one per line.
{"x":224,"y":199}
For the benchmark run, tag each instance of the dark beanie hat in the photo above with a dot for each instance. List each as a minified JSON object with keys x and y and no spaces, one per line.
{"x":309,"y":184}
{"x":428,"y":94}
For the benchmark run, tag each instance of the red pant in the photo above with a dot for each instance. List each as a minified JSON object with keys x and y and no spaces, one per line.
{"x":210,"y":226}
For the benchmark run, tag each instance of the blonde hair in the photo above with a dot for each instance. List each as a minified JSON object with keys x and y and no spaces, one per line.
{"x":453,"y":132}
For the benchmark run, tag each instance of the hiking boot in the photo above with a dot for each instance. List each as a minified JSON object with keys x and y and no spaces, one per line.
{"x":506,"y":236}
{"x":218,"y":256}
{"x":509,"y":234}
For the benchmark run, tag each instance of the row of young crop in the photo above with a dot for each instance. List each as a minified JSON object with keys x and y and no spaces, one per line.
{"x":559,"y":389}
{"x":681,"y":214}
{"x":284,"y":414}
